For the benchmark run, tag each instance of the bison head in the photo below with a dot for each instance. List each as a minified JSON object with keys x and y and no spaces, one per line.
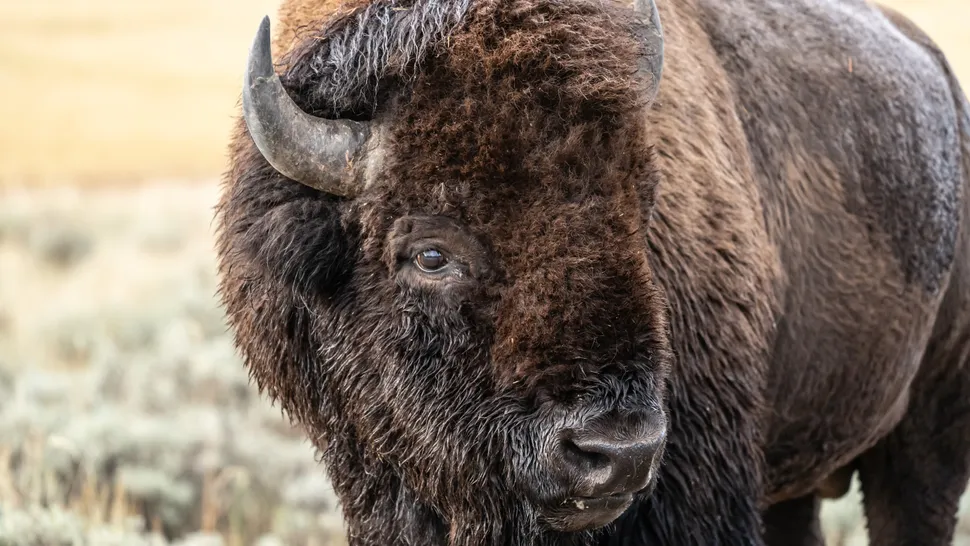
{"x":447,"y":283}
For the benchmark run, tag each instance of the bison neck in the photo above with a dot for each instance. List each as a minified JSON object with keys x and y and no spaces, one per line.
{"x":770,"y":242}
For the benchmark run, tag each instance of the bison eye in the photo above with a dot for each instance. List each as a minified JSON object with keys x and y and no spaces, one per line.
{"x":430,"y":260}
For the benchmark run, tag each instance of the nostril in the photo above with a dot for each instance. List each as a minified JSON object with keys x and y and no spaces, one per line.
{"x":583,"y":458}
{"x":616,"y":451}
{"x":603,"y":462}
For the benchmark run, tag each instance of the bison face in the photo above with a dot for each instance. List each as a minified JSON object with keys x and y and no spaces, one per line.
{"x":522,"y":366}
{"x":510,"y":369}
{"x":472,"y":331}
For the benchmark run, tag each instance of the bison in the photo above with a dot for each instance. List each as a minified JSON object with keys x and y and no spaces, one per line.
{"x":577,"y":272}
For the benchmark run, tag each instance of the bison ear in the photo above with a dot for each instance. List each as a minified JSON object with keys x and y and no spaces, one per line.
{"x":651,"y":34}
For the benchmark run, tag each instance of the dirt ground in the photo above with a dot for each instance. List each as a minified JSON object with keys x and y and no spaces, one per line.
{"x":125,"y":416}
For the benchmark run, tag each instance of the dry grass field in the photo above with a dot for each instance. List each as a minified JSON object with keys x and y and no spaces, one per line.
{"x":125,"y":416}
{"x":119,"y":91}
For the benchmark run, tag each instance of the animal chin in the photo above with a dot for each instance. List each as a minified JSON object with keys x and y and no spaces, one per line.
{"x":584,"y":513}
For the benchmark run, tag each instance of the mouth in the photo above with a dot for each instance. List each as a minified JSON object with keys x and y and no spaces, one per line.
{"x":587,"y":513}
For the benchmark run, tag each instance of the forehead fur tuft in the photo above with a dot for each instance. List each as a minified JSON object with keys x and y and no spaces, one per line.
{"x":339,"y":69}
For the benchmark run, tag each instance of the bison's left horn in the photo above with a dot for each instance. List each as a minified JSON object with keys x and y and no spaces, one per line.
{"x":652,"y":64}
{"x":314,"y":151}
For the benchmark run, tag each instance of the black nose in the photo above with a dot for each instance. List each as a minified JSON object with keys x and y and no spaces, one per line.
{"x":610,"y":457}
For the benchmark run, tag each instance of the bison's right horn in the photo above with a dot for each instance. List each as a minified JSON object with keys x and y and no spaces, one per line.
{"x":652,"y":64}
{"x":314,"y":151}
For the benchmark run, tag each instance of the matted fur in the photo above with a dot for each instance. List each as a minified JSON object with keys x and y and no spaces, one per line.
{"x":339,"y":68}
{"x":707,"y":255}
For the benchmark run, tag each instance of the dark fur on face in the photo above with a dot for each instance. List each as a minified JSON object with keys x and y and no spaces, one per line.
{"x":521,"y":155}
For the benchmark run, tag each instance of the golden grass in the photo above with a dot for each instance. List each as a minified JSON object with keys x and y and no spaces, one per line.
{"x":946,"y":21}
{"x":122,"y":90}
{"x":107,"y":503}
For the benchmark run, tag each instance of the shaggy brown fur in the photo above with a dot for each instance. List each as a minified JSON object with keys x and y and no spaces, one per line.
{"x":775,"y":254}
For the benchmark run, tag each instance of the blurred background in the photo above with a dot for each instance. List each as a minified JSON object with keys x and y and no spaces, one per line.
{"x":125,"y":416}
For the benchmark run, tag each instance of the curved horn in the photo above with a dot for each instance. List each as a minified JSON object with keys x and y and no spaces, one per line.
{"x":652,"y":64}
{"x":314,"y":151}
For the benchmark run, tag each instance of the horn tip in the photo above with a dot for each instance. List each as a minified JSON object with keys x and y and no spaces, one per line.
{"x":261,"y":56}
